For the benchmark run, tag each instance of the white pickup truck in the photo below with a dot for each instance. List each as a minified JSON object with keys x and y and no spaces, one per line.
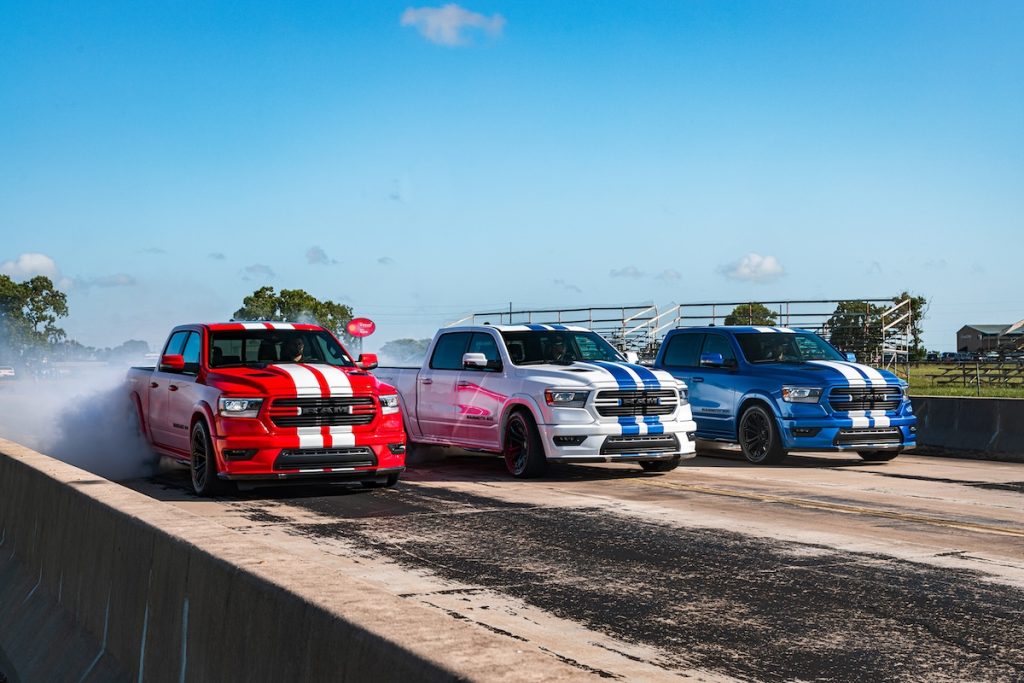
{"x":539,"y":393}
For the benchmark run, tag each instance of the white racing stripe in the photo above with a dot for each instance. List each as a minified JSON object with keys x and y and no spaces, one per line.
{"x":860,"y":418}
{"x":336,"y":379}
{"x":784,"y":329}
{"x":874,"y":376}
{"x":764,"y":329}
{"x":879,"y":418}
{"x":310,"y":437}
{"x":306,"y":383}
{"x":254,"y":326}
{"x":282,"y":326}
{"x":852,"y":376}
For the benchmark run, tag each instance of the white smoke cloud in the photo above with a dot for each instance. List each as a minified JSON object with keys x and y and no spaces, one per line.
{"x":447,"y":25}
{"x":754,"y":267}
{"x":84,"y":418}
{"x":31,"y":264}
{"x":318,"y":257}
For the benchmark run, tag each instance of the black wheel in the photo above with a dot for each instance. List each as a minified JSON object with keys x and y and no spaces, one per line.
{"x":203,"y":464}
{"x":384,"y":483}
{"x":523,"y":451}
{"x":877,"y":456}
{"x":759,"y":437}
{"x":660,"y":465}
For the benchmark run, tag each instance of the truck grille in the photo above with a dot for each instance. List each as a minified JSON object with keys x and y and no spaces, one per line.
{"x":865,"y":398}
{"x":319,"y":458}
{"x":320,"y":412}
{"x":640,"y":444}
{"x":614,"y":403}
{"x":868,"y":436}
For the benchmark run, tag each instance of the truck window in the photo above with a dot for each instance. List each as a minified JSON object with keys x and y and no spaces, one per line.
{"x":683,"y":351}
{"x":191,"y":353}
{"x":449,"y":350}
{"x":176,"y":343}
{"x":716,"y":343}
{"x":485,"y":344}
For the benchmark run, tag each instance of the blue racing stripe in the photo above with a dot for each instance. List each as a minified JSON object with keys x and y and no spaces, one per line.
{"x":630,"y":427}
{"x":649,"y":379}
{"x":561,"y":328}
{"x":654,"y":425}
{"x":537,"y":328}
{"x":622,"y":378}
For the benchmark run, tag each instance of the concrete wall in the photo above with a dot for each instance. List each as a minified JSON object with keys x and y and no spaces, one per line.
{"x":100,"y":583}
{"x":993,"y":427}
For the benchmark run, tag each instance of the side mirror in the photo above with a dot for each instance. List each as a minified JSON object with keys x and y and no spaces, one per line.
{"x":474,"y":361}
{"x":367,"y":361}
{"x":632,"y":357}
{"x":851,"y":357}
{"x":711,"y":360}
{"x":172,"y":362}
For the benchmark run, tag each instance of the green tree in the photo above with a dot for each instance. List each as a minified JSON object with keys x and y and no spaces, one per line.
{"x":295,"y":305}
{"x":29,"y":312}
{"x":855,"y":327}
{"x":405,"y":350}
{"x":751,"y":314}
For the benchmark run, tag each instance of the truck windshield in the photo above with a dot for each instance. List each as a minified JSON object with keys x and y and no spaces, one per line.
{"x":785,"y":347}
{"x":233,"y":348}
{"x":557,"y":346}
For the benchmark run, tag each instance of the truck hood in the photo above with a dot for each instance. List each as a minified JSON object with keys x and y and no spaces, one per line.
{"x":601,"y":375}
{"x":295,"y":379}
{"x":818,"y":373}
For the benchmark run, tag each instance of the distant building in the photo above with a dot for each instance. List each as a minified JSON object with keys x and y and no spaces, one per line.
{"x":980,"y":338}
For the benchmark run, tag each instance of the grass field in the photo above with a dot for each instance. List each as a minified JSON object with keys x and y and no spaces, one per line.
{"x":992,"y":380}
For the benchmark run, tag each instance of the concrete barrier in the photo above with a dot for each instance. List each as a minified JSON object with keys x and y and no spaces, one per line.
{"x":991,"y":427}
{"x":101,"y":583}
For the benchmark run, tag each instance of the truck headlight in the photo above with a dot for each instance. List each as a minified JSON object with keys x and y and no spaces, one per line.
{"x":801,"y":394}
{"x":565,"y":399}
{"x":239,"y":407}
{"x":389,"y":404}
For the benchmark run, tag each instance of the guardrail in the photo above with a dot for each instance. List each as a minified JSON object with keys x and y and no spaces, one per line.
{"x":991,"y":427}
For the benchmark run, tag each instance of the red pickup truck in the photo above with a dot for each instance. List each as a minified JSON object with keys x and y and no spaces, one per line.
{"x":268,"y":401}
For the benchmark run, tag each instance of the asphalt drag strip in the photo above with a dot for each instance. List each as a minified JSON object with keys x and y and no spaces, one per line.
{"x":707,"y":599}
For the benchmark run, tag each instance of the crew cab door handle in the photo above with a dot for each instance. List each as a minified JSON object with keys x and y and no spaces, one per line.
{"x":426,"y":380}
{"x":173,"y":387}
{"x":153,"y":385}
{"x":698,"y":379}
{"x":463,"y":385}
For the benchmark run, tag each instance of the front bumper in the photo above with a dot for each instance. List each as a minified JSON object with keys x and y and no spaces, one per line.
{"x":247,"y":450}
{"x":895,"y":434}
{"x":594,"y":444}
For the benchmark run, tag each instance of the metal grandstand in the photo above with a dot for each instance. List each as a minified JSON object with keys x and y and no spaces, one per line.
{"x":879,"y":331}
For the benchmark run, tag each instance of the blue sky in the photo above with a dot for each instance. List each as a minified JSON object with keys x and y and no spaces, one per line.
{"x":419,"y":162}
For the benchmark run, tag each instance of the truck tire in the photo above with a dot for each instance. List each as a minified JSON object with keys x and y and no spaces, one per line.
{"x":203,"y":463}
{"x":660,"y":465}
{"x":877,"y":456}
{"x":522,"y":447}
{"x":759,"y":436}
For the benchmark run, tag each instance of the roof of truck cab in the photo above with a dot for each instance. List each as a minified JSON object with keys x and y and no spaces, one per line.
{"x":533,"y":327}
{"x":742,"y":329}
{"x":258,"y":325}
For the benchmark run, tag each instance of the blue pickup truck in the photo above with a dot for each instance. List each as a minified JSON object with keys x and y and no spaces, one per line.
{"x":775,"y":389}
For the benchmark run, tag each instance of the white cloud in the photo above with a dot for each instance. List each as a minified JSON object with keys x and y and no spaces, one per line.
{"x":217,"y":256}
{"x":558,"y":282}
{"x":318,"y":257}
{"x":754,"y":268}
{"x":670,"y":275}
{"x":445,"y":25}
{"x":31,"y":264}
{"x":628,"y":271}
{"x":116,"y":280}
{"x":386,"y":261}
{"x":257,"y":271}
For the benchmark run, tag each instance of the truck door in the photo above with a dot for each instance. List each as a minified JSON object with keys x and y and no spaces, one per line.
{"x":479,"y":395}
{"x":716,"y":397}
{"x":181,"y":395}
{"x":436,"y":404}
{"x":682,"y":360}
{"x":159,"y":393}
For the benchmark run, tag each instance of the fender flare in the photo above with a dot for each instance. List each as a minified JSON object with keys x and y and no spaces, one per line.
{"x":516,"y":402}
{"x":141,"y":416}
{"x":755,"y":397}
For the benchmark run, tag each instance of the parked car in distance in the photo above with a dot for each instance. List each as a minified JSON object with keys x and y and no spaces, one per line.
{"x":542,"y":393}
{"x":773,"y":390}
{"x":268,"y":401}
{"x":7,"y":372}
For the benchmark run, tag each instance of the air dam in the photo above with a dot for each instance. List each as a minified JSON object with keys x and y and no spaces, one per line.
{"x":100,"y":583}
